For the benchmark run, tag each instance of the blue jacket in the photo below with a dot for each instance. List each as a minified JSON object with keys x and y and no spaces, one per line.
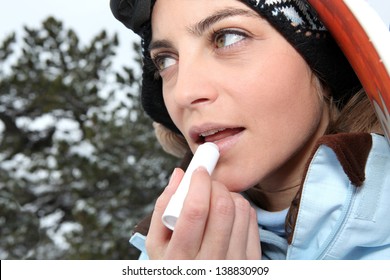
{"x":344,"y":204}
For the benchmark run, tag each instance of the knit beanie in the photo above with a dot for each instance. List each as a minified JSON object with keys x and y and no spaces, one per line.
{"x":296,"y":20}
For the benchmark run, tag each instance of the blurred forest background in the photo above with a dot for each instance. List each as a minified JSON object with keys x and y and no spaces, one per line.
{"x":79,"y":162}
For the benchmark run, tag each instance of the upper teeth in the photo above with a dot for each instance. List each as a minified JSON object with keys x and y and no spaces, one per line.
{"x":211,"y":132}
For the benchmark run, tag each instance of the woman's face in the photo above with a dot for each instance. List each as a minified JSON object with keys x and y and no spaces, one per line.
{"x":232,"y":79}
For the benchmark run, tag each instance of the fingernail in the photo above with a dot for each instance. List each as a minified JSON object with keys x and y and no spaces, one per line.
{"x":201,"y":169}
{"x":173,"y":175}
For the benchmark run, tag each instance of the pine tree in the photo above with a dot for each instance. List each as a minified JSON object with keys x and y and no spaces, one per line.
{"x":79,"y":163}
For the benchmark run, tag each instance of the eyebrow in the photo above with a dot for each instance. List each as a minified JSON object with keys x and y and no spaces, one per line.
{"x":199,"y":28}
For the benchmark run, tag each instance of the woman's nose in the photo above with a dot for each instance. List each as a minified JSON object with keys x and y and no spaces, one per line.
{"x":195,"y":84}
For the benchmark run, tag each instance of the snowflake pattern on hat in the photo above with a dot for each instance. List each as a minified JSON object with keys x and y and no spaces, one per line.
{"x":298,"y":12}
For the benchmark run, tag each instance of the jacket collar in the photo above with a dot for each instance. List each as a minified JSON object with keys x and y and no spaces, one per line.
{"x":352,"y":150}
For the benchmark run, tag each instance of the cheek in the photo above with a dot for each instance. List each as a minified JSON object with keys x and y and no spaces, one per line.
{"x":288,"y":107}
{"x":282,"y":112}
{"x":284,"y":96}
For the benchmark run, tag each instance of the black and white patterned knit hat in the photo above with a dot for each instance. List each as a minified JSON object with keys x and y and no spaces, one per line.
{"x":296,"y":20}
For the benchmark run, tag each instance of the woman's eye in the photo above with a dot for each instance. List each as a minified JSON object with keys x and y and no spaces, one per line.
{"x":162,"y":62}
{"x":227,"y":38}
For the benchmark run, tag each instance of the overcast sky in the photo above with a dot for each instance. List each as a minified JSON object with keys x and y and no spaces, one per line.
{"x":88,"y":17}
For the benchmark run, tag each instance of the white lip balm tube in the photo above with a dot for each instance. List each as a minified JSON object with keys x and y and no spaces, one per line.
{"x":207,"y":156}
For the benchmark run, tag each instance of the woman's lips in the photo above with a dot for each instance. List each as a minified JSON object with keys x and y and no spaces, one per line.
{"x":224,"y":137}
{"x":218,"y":135}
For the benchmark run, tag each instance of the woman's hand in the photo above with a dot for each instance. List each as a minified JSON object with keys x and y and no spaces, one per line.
{"x":214,"y":223}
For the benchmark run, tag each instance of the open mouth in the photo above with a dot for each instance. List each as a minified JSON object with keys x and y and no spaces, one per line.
{"x":216,"y":135}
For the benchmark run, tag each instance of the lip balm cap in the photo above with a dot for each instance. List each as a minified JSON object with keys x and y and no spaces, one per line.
{"x":207,"y":156}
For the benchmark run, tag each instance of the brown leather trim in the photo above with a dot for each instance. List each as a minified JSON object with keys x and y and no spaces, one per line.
{"x":143,"y":226}
{"x":352,"y":151}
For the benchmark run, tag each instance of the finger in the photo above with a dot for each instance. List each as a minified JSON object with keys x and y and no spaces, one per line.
{"x":219,"y":224}
{"x":189,"y":229}
{"x":159,"y":235}
{"x":240,"y":231}
{"x":253,"y":244}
